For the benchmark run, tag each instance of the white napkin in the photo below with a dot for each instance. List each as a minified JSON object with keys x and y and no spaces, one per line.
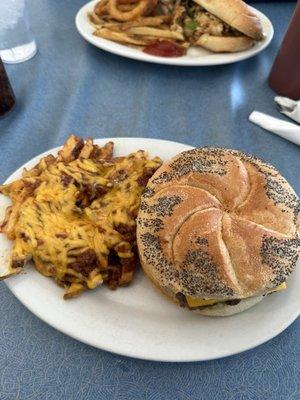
{"x":285,"y":129}
{"x":288,"y":107}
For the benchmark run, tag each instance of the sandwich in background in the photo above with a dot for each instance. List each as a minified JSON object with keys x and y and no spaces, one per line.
{"x":168,"y":28}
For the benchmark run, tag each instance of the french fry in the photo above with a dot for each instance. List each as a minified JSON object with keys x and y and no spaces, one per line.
{"x":160,"y":33}
{"x":87,"y":149}
{"x":9,"y":272}
{"x":9,"y":228}
{"x":73,"y":290}
{"x":118,"y":37}
{"x":13,"y":187}
{"x":71,"y":149}
{"x":102,"y":153}
{"x":146,"y":21}
{"x":43,"y":268}
{"x":5,"y":221}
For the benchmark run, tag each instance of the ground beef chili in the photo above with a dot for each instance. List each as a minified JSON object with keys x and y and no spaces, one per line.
{"x":181,"y":299}
{"x":85,"y":262}
{"x":233,"y":302}
{"x":65,"y":179}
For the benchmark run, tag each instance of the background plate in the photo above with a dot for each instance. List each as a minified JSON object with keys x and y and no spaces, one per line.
{"x":139,"y":322}
{"x":196,"y":56}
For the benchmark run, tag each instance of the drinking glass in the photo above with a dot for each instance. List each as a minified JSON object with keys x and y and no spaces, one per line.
{"x":17,"y":43}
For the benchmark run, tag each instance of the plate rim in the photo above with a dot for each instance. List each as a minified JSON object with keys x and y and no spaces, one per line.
{"x":96,"y":140}
{"x":126,"y":352}
{"x":124,"y":51}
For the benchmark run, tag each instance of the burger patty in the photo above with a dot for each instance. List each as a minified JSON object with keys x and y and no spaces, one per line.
{"x":183,"y":302}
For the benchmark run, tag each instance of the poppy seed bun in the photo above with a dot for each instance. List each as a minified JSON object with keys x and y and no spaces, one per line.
{"x":217,"y":310}
{"x":236,"y":14}
{"x":218,"y":224}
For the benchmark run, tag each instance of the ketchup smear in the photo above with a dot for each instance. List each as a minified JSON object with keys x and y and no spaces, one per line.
{"x":164,"y":48}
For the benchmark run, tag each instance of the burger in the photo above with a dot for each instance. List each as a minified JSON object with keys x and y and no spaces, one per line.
{"x":218,"y":230}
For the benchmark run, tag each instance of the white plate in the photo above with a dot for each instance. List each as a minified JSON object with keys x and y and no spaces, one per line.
{"x":138,"y":321}
{"x":195,"y":56}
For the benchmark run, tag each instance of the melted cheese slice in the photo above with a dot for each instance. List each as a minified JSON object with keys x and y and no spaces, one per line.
{"x":194,"y":302}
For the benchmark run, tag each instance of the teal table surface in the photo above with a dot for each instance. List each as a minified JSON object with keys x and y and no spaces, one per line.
{"x":72,"y":87}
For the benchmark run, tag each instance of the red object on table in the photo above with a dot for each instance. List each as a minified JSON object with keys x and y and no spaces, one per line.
{"x":164,"y":48}
{"x":285,"y":74}
{"x":7,"y":97}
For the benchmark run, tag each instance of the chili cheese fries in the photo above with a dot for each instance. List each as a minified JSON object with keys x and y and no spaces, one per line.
{"x":75,"y":214}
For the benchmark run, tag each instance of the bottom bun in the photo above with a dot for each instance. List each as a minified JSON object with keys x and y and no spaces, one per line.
{"x":224,"y":44}
{"x":217,"y":310}
{"x":224,"y":310}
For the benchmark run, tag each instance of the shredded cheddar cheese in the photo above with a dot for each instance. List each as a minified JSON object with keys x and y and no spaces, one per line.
{"x":74,"y":215}
{"x":194,"y":302}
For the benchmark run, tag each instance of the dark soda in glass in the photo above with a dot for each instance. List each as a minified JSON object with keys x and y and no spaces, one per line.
{"x":285,"y":75}
{"x":7,"y":97}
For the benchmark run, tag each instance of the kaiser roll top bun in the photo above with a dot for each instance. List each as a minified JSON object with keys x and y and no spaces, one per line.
{"x":218,"y":224}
